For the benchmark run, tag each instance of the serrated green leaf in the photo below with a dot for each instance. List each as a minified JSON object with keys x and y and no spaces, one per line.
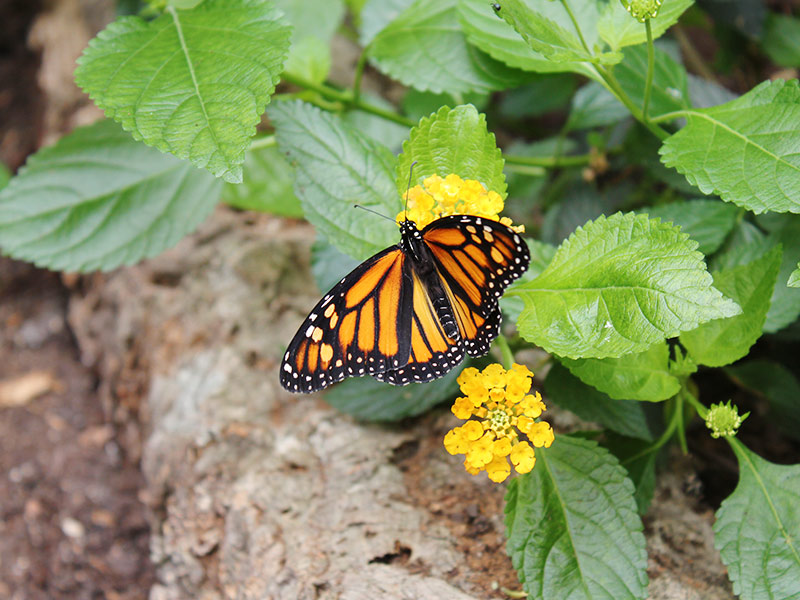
{"x":746,"y":151}
{"x":425,"y":48}
{"x":626,"y":417}
{"x":723,"y":341}
{"x":369,"y":400}
{"x":453,"y":141}
{"x":191,"y":82}
{"x":313,"y":22}
{"x":572,"y":527}
{"x":639,"y":459}
{"x":670,"y":86}
{"x":619,"y":285}
{"x":553,"y":41}
{"x":782,"y":39}
{"x":708,"y":222}
{"x":594,"y":106}
{"x":619,"y":29}
{"x":499,"y":39}
{"x":642,"y":376}
{"x":338,"y":167}
{"x":377,"y":14}
{"x":266,"y":184}
{"x":794,"y":278}
{"x":778,"y":385}
{"x":97,"y":199}
{"x":757,"y":528}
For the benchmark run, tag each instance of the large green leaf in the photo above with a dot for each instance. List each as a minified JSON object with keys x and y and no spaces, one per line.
{"x":266,"y":186}
{"x":499,"y":39}
{"x":336,"y":168}
{"x":618,"y":29}
{"x":191,"y":82}
{"x":97,"y":199}
{"x":723,"y":341}
{"x":554,"y":41}
{"x":618,"y":285}
{"x":453,"y":141}
{"x":642,"y":376}
{"x":708,"y":222}
{"x":367,"y":399}
{"x":626,"y":417}
{"x":572,"y":526}
{"x":377,"y":14}
{"x":746,"y":151}
{"x":758,"y":529}
{"x":425,"y":48}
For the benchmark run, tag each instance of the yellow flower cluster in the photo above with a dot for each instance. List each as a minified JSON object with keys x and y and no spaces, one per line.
{"x":504,"y":410}
{"x":439,"y":197}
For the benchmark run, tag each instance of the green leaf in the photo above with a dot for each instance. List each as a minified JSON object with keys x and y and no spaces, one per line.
{"x":639,"y":460}
{"x":618,"y":285}
{"x":192,"y":82}
{"x":746,"y":151}
{"x":425,"y":48}
{"x":626,"y":417}
{"x":499,"y":39}
{"x":642,"y":376}
{"x":794,"y":278}
{"x":785,"y":304}
{"x":723,"y":341}
{"x":581,"y":202}
{"x":618,"y":29}
{"x":594,"y":106}
{"x":369,"y":400}
{"x":708,"y":222}
{"x":328,"y":265}
{"x":757,"y":528}
{"x":97,"y":199}
{"x":543,"y":94}
{"x":556,"y":42}
{"x":541,"y":255}
{"x":336,"y":168}
{"x":572,"y":526}
{"x":377,"y":14}
{"x":670,"y":88}
{"x":453,"y":141}
{"x":782,"y":40}
{"x":386,"y":133}
{"x":745,"y":244}
{"x":314,"y":22}
{"x":778,"y":385}
{"x":5,"y":176}
{"x":266,"y":186}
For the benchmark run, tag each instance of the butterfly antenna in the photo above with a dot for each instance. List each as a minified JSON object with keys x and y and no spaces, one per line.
{"x":408,"y":187}
{"x":374,"y":212}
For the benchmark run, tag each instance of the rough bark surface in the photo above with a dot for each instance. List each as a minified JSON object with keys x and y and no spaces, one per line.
{"x":257,"y":493}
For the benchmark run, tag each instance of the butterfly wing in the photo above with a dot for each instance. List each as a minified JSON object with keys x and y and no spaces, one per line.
{"x":477,"y":259}
{"x":360,"y":327}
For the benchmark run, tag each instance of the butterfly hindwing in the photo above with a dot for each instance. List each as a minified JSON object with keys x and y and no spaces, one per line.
{"x":477,"y":259}
{"x":358,"y":328}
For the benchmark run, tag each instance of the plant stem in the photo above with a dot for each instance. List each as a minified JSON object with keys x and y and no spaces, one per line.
{"x":263,"y":141}
{"x":675,"y":418}
{"x":693,"y":57}
{"x":670,"y":116}
{"x":648,"y":85}
{"x":615,"y":88}
{"x":346,"y":97}
{"x":360,"y":66}
{"x":680,"y":420}
{"x":577,"y":27}
{"x":505,"y":350}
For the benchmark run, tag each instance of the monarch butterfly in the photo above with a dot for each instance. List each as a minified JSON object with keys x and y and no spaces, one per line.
{"x":412,"y":311}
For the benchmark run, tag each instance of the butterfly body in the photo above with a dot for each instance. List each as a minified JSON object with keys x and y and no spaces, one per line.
{"x":411,"y":312}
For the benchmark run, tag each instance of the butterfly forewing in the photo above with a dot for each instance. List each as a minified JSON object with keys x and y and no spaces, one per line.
{"x":358,"y":328}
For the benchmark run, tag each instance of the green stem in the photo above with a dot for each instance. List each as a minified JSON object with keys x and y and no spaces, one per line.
{"x":505,"y":350}
{"x":675,"y":418}
{"x":702,"y":411}
{"x":616,"y":89}
{"x":682,"y":425}
{"x":648,"y":85}
{"x":263,"y":141}
{"x":346,"y":97}
{"x":360,"y":66}
{"x":577,"y":27}
{"x":671,"y":116}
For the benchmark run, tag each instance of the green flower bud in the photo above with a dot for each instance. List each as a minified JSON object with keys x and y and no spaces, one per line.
{"x":641,"y":10}
{"x":724,"y":420}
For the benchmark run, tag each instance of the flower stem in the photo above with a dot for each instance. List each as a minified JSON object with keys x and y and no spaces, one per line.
{"x":648,"y":85}
{"x":505,"y":350}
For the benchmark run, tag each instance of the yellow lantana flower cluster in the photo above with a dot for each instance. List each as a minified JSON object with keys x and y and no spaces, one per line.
{"x":439,"y":197}
{"x":504,"y":410}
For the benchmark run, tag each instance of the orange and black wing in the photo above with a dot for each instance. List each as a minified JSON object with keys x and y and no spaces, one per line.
{"x":477,"y":259}
{"x":360,"y":327}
